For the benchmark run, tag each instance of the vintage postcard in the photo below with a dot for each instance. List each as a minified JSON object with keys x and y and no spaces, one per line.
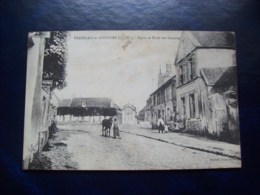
{"x":131,"y":100}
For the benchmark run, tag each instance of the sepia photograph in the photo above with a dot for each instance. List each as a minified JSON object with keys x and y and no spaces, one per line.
{"x":131,"y":100}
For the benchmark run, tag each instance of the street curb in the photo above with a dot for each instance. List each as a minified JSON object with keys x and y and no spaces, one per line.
{"x":184,"y":146}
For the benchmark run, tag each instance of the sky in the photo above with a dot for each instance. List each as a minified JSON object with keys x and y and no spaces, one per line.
{"x":121,"y":65}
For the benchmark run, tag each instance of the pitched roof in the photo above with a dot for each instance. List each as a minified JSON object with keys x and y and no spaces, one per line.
{"x":116,"y":106}
{"x":91,"y":102}
{"x":145,"y":107}
{"x":220,"y":76}
{"x":214,"y":39}
{"x":164,"y":85}
{"x":129,"y":105}
{"x":65,"y":103}
{"x":228,"y":78}
{"x":191,"y":40}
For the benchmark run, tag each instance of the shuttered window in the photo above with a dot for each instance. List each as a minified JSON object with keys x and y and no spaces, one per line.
{"x":181,"y":75}
{"x":183,"y":106}
{"x":185,"y":73}
{"x":193,"y":67}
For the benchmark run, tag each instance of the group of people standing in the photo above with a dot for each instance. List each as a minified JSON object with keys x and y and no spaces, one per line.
{"x":176,"y":123}
{"x":162,"y":126}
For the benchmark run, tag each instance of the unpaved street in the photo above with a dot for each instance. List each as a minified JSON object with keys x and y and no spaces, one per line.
{"x":83,"y":148}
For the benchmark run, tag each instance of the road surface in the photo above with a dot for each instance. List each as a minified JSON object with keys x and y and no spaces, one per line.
{"x":81,"y":147}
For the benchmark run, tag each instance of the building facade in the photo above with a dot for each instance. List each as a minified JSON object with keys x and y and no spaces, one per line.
{"x":129,"y":115}
{"x":38,"y":95}
{"x":203,"y":60}
{"x":162,"y":102}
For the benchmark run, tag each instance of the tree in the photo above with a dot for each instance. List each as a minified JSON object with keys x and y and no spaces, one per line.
{"x":55,"y":59}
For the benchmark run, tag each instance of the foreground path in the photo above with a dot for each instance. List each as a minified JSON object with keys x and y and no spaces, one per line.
{"x":81,"y":147}
{"x":90,"y":151}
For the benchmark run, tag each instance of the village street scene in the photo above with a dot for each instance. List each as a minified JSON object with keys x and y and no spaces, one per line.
{"x":132,"y":100}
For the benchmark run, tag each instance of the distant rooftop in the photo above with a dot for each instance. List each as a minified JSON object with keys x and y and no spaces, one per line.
{"x":164,"y":84}
{"x":204,"y":39}
{"x":65,"y":103}
{"x":221,"y":76}
{"x":88,"y":102}
{"x":129,"y":105}
{"x":215,"y":39}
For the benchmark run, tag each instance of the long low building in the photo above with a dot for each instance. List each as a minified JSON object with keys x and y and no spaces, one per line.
{"x":87,"y":109}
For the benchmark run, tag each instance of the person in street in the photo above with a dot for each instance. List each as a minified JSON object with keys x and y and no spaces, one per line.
{"x":54,"y":123}
{"x":160,"y":124}
{"x":116,"y":129}
{"x":166,"y":128}
{"x":53,"y":127}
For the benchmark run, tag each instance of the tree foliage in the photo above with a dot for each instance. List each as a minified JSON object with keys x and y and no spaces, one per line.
{"x":55,"y":59}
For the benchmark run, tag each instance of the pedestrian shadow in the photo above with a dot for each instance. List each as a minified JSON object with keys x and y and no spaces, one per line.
{"x":111,"y":137}
{"x":106,"y":136}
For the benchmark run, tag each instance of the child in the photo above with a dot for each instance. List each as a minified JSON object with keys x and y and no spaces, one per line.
{"x":166,"y":128}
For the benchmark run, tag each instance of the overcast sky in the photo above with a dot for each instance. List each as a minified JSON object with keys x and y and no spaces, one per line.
{"x":124,"y":69}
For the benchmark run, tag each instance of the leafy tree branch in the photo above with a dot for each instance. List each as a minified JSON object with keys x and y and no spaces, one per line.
{"x":55,"y":59}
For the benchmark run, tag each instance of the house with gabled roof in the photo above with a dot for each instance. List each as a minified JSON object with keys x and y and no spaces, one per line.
{"x":205,"y":70}
{"x":129,"y":114}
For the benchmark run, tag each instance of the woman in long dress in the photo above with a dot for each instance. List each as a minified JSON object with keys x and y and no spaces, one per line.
{"x":116,"y":129}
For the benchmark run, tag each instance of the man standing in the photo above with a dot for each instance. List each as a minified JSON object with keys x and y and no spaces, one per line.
{"x":160,"y":124}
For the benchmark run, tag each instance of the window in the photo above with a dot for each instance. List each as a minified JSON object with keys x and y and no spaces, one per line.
{"x":192,"y":67}
{"x":181,"y":75}
{"x":192,"y":106}
{"x":162,"y":96}
{"x":173,"y":92}
{"x":185,"y":73}
{"x":158,"y":98}
{"x":187,"y":70}
{"x":183,"y":106}
{"x":189,"y":66}
{"x":174,"y":109}
{"x":168,"y":93}
{"x":163,"y":116}
{"x":44,"y":104}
